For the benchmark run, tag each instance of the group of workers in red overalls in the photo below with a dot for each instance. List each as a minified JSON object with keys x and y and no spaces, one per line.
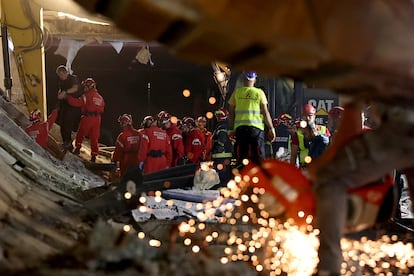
{"x":161,"y":142}
{"x":79,"y":109}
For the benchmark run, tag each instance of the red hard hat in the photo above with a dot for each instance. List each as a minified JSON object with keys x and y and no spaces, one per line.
{"x":147,"y":121}
{"x":164,"y":116}
{"x":202,"y":119}
{"x":125,"y":119}
{"x":308,"y":109}
{"x":336,"y":112}
{"x":88,"y":83}
{"x":188,"y":121}
{"x":221,"y":114}
{"x":35,"y":115}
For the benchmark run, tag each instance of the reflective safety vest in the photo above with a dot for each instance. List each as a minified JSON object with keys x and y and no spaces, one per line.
{"x":222,"y":146}
{"x":247,"y":107}
{"x":304,"y":151}
{"x":222,"y":155}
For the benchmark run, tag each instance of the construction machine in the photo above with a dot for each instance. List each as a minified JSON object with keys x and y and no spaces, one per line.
{"x":22,"y":20}
{"x":26,"y":26}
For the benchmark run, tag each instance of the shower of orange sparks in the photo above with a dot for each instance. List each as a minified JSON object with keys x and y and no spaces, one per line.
{"x":278,"y":246}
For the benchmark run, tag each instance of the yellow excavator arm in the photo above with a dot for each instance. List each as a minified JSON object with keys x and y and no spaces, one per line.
{"x":24,"y":23}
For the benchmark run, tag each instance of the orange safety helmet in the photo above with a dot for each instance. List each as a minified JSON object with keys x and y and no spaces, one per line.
{"x":308,"y":109}
{"x":35,"y":115}
{"x":125,"y":120}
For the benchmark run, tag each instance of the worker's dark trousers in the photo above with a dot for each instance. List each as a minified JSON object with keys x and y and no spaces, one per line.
{"x":68,"y":120}
{"x":249,"y":144}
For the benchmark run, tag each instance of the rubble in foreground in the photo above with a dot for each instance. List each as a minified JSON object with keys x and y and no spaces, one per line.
{"x":45,"y":228}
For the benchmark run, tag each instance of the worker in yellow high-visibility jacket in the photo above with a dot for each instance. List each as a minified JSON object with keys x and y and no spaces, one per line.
{"x":248,"y":114}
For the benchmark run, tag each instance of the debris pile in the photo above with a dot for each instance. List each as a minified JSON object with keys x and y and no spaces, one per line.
{"x":50,"y":224}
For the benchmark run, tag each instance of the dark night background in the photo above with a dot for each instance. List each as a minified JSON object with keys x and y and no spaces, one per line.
{"x":123,"y":82}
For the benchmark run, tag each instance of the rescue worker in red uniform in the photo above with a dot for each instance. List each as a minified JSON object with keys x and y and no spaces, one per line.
{"x":92,"y":106}
{"x":194,"y":141}
{"x":176,"y":138}
{"x":126,"y":146}
{"x":201,"y":125}
{"x":39,"y":130}
{"x":154,"y":152}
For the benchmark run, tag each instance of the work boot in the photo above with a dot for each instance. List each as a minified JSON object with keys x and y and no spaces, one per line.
{"x":70,"y":147}
{"x":67,"y":147}
{"x":93,"y":158}
{"x":76,"y":151}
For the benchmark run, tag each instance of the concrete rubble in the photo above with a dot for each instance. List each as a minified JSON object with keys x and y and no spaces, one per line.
{"x":45,"y":228}
{"x":50,"y":221}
